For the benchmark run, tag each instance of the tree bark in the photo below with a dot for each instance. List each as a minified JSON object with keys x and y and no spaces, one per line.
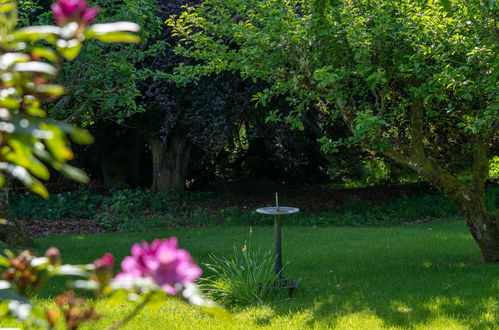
{"x":468,"y":198}
{"x":170,"y":163}
{"x":470,"y":201}
{"x":13,"y":232}
{"x":484,"y":227}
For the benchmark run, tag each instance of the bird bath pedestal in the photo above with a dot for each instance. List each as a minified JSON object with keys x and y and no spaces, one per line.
{"x":277,"y":211}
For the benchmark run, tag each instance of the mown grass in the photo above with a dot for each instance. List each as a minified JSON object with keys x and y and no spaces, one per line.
{"x":419,"y":276}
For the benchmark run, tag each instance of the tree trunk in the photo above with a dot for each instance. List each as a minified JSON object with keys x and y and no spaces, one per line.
{"x":468,"y":198}
{"x":170,"y":163}
{"x":484,"y":227}
{"x":13,"y":232}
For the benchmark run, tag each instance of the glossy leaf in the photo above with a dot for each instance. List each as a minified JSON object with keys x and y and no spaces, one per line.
{"x":52,"y":90}
{"x":69,"y":49}
{"x":57,"y":143}
{"x":44,"y":53}
{"x":26,"y":178}
{"x":71,"y":270}
{"x":81,"y":136}
{"x":118,"y":37}
{"x":100,"y":29}
{"x":9,"y":59}
{"x":35,"y":33}
{"x":34,"y":66}
{"x":74,"y":173}
{"x":21,"y":154}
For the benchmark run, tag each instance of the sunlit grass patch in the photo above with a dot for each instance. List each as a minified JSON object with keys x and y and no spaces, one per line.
{"x":424,"y":276}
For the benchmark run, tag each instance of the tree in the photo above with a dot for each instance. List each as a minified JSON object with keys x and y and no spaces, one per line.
{"x":415,"y":81}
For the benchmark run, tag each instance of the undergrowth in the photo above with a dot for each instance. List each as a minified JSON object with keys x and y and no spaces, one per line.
{"x":136,"y":210}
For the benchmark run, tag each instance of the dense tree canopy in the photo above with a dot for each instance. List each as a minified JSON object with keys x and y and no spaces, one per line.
{"x":415,"y":81}
{"x":125,"y":93}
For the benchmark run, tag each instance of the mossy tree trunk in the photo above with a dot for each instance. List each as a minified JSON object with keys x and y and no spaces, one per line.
{"x":170,"y":163}
{"x":13,"y":232}
{"x":468,"y":197}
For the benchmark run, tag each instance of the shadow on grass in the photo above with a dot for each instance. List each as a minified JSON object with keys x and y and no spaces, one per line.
{"x":428,"y":275}
{"x":423,"y":292}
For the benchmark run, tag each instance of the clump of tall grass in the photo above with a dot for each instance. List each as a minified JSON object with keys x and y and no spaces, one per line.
{"x":246,"y":278}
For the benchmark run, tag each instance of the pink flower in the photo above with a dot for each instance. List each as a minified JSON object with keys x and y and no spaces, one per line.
{"x":66,"y":11}
{"x":104,"y":266}
{"x":107,"y":261}
{"x":161,"y":261}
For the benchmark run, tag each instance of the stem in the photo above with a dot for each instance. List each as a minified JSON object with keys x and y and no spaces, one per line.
{"x":134,"y":313}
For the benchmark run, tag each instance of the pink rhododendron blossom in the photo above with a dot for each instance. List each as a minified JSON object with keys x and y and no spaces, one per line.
{"x":107,"y":261}
{"x":104,"y":267}
{"x":66,"y":11}
{"x":161,"y":261}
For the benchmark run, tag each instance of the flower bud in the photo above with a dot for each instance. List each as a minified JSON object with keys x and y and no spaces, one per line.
{"x":104,"y":268}
{"x":54,"y":256}
{"x":66,"y":11}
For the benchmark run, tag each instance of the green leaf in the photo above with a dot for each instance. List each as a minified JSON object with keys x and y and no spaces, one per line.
{"x":71,"y":270}
{"x":10,"y":103}
{"x":35,"y":66}
{"x":74,"y":173}
{"x":34,"y":33}
{"x":8,"y":59}
{"x":69,"y":49}
{"x":38,"y":188}
{"x":118,"y":37}
{"x":100,"y":29}
{"x":44,"y":53}
{"x":21,"y":154}
{"x":57,"y":143}
{"x":81,"y":136}
{"x":53,"y":90}
{"x":26,"y":178}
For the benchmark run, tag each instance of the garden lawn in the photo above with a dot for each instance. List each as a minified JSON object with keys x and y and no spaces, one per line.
{"x":421,"y":276}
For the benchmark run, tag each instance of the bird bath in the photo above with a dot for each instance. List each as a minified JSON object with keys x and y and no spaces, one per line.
{"x":277,"y":211}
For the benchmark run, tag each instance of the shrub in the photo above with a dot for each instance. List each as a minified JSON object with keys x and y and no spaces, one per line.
{"x":80,"y":204}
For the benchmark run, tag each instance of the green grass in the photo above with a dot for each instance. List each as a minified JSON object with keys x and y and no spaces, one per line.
{"x":421,"y":276}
